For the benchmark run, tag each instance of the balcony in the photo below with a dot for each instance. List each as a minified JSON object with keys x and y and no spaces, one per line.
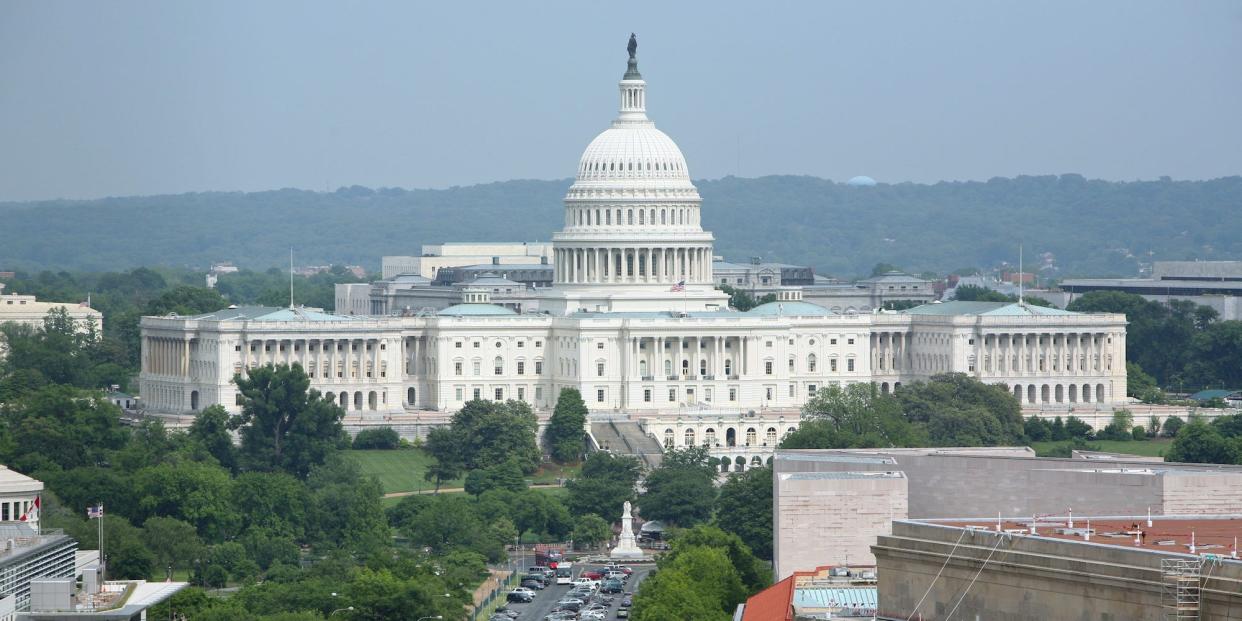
{"x":709,"y":377}
{"x":648,"y":378}
{"x":734,"y":377}
{"x":672,"y":378}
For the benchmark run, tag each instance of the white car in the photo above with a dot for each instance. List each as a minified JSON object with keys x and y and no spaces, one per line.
{"x":594,"y":584}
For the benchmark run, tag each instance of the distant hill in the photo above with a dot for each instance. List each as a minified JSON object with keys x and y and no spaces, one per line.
{"x":1091,"y":227}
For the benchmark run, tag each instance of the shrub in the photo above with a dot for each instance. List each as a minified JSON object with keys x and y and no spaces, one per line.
{"x":1138,"y":432}
{"x":378,"y":438}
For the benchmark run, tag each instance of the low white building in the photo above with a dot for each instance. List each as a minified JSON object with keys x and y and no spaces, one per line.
{"x":26,"y":310}
{"x":437,"y":256}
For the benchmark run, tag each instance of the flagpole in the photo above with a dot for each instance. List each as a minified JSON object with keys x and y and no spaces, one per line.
{"x":103,"y":564}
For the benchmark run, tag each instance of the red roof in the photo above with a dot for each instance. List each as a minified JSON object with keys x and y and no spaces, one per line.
{"x":774,"y":603}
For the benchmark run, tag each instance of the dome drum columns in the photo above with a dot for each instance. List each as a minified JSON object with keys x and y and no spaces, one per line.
{"x":643,"y":265}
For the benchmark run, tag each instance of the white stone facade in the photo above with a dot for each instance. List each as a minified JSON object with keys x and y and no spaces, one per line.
{"x":633,"y":321}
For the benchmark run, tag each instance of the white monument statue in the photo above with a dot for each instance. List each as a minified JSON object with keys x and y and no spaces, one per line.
{"x":627,"y":544}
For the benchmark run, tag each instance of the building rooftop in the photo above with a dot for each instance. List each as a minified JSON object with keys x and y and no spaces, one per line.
{"x":790,"y":309}
{"x":270,"y":313}
{"x":821,"y":476}
{"x":1210,"y":534}
{"x":13,"y":482}
{"x":475,"y":310}
{"x":985,"y":309}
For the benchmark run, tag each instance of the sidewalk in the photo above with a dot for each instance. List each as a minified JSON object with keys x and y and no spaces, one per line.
{"x":450,"y":490}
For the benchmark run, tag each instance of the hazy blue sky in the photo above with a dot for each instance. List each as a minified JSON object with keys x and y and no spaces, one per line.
{"x":118,"y":98}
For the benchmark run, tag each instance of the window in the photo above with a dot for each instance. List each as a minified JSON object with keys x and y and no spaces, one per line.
{"x":849,"y":364}
{"x":521,"y":367}
{"x":599,"y":345}
{"x":971,"y":341}
{"x":689,"y":437}
{"x":668,"y":367}
{"x":478,"y":394}
{"x":457,"y":368}
{"x":791,"y":365}
{"x":646,"y":395}
{"x":538,"y":343}
{"x":703,"y":367}
{"x":477,"y":367}
{"x":538,"y":367}
{"x":832,"y":341}
{"x":810,"y":363}
{"x":599,"y":395}
{"x":521,"y":343}
{"x":768,"y":393}
{"x":475,"y":344}
{"x":499,"y":365}
{"x":810,"y":390}
{"x":728,"y":367}
{"x":849,"y":341}
{"x":732,"y":394}
{"x":538,"y":393}
{"x":767,"y":367}
{"x":599,"y":369}
{"x":500,"y":394}
{"x":832,"y":365}
{"x":707,"y":394}
{"x":792,"y":391}
{"x":672,"y":394}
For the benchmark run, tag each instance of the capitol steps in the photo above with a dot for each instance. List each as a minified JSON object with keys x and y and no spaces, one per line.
{"x":627,"y":438}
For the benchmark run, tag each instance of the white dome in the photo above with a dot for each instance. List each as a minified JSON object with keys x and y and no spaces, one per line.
{"x":632,"y":152}
{"x":861,"y":180}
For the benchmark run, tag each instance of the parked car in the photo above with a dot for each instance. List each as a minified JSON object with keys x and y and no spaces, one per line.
{"x":616,"y":575}
{"x":584,"y":581}
{"x":611,"y":586}
{"x":623,"y":613}
{"x":569,"y":603}
{"x":593,"y":574}
{"x":627,"y":601}
{"x":524,"y":596}
{"x":532,"y":584}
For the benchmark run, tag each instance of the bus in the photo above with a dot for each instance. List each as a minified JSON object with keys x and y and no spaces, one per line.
{"x":564,"y":572}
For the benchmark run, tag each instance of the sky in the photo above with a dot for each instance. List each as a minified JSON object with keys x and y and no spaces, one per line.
{"x":128,"y":98}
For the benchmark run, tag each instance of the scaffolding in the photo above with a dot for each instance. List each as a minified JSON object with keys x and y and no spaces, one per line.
{"x":1181,"y":581}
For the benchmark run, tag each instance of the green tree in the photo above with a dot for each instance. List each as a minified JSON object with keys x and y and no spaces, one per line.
{"x":675,"y":595}
{"x":856,"y":416}
{"x":186,"y":300}
{"x":1203,"y":444}
{"x":745,"y":509}
{"x":505,"y":475}
{"x":61,"y":427}
{"x":975,"y":293}
{"x":273,"y":501}
{"x":1142,"y":386}
{"x":1214,"y":355}
{"x":1171,"y":426}
{"x":284,"y":425}
{"x":537,"y":512}
{"x":566,"y":430}
{"x":682,"y":490}
{"x":1037,"y":429}
{"x":605,"y":482}
{"x":378,"y":438}
{"x":445,"y":446}
{"x":959,"y":410}
{"x":1075,"y":428}
{"x":753,"y":572}
{"x":210,"y":430}
{"x":346,"y":509}
{"x":197,"y":493}
{"x":173,"y":543}
{"x":489,"y":433}
{"x":590,"y":530}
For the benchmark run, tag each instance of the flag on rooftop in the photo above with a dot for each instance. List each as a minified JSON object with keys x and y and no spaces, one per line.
{"x":94,"y":512}
{"x":680,"y":286}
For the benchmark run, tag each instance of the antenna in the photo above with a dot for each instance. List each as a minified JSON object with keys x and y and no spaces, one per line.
{"x":290,"y":277}
{"x":1021,"y":275}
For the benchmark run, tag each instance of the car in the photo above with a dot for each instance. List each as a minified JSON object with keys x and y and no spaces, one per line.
{"x":616,"y":575}
{"x":627,"y":601}
{"x":593,"y":575}
{"x":623,"y":613}
{"x":520,"y":596}
{"x":569,"y":603}
{"x":611,"y":586}
{"x":593,"y":615}
{"x":584,"y":581}
{"x":532,"y":584}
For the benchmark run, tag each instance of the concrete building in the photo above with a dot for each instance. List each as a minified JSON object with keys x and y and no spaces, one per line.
{"x":1089,"y":568}
{"x":26,"y":310}
{"x":826,"y":592}
{"x":945,"y":483}
{"x":27,"y":552}
{"x":1216,"y":284}
{"x":437,"y":256}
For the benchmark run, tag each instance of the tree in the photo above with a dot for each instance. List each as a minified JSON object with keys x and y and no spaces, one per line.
{"x":959,"y":410}
{"x":566,"y":430}
{"x":186,"y":300}
{"x":61,"y":426}
{"x":1142,"y":386}
{"x":590,"y":530}
{"x":537,"y":512}
{"x":1203,"y":444}
{"x":285,"y":426}
{"x":194,"y":492}
{"x":682,"y":490}
{"x":210,"y":430}
{"x":754,"y":573}
{"x":1076,"y":428}
{"x":881,"y":269}
{"x":975,"y":293}
{"x":856,"y":416}
{"x":506,"y":475}
{"x":1037,"y":429}
{"x":273,"y":501}
{"x":346,"y":509}
{"x":445,"y":446}
{"x":1214,"y":354}
{"x":605,"y":482}
{"x":378,"y":438}
{"x":487,"y":433}
{"x":173,"y":543}
{"x":1171,"y":426}
{"x":675,"y":595}
{"x":745,"y":509}
{"x":742,"y":301}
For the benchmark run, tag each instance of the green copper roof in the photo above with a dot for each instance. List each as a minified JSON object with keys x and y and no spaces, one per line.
{"x":270,"y":313}
{"x":986,"y":309}
{"x":475,"y":310}
{"x":790,"y":309}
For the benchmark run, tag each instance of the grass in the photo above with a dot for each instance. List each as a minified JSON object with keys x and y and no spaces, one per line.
{"x":1147,"y":448}
{"x":398,"y":470}
{"x":402,"y":470}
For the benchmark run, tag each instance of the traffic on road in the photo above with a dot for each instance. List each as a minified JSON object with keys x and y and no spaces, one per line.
{"x":590,"y":592}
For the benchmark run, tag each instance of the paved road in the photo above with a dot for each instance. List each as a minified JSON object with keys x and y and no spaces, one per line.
{"x":545,"y":600}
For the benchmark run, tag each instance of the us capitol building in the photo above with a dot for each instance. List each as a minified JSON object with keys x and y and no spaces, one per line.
{"x":633,"y":321}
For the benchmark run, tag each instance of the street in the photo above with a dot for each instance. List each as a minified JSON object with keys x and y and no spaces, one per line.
{"x":545,"y":600}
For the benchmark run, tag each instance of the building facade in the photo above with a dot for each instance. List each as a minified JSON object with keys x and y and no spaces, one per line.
{"x":633,"y":320}
{"x":1216,"y":284}
{"x":27,"y":310}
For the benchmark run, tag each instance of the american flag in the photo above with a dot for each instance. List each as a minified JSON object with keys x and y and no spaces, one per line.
{"x":680,"y":286}
{"x":94,"y":512}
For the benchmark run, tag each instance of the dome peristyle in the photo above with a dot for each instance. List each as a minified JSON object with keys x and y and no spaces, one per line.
{"x":632,"y":151}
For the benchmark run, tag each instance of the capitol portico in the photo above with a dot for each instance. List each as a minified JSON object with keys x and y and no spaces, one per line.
{"x":633,"y":321}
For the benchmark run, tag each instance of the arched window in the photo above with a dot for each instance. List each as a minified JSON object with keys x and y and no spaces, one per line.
{"x":709,"y":437}
{"x":770,"y":438}
{"x":728,"y":367}
{"x":685,"y":367}
{"x":499,"y":364}
{"x":372,"y":400}
{"x":810,"y":363}
{"x":629,"y":216}
{"x":642,"y":217}
{"x":668,"y":438}
{"x":689,"y":437}
{"x":668,"y":367}
{"x":751,"y":436}
{"x":642,"y":368}
{"x":703,"y":367}
{"x":411,"y":396}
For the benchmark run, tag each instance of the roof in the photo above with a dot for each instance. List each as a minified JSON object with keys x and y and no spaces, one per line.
{"x":1204,"y":395}
{"x":270,"y":313}
{"x":475,"y":310}
{"x":13,"y":482}
{"x":774,"y":603}
{"x":894,"y":276}
{"x":835,"y":597}
{"x":790,"y":309}
{"x":986,"y":309}
{"x":1169,"y":534}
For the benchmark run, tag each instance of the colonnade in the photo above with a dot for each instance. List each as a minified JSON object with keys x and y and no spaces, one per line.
{"x":633,"y":265}
{"x":693,"y":357}
{"x":1044,"y":354}
{"x":323,"y":359}
{"x":167,"y":356}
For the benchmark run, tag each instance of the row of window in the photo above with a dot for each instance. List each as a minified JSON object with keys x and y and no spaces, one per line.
{"x":477,"y":344}
{"x":498,"y":394}
{"x":498,"y":367}
{"x":596,"y":217}
{"x":730,"y":439}
{"x":297,"y":346}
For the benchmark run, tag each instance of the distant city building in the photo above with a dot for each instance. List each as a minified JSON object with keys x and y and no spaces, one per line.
{"x":826,"y":592}
{"x":1216,"y":284}
{"x":26,"y":310}
{"x":437,"y":256}
{"x":27,"y":552}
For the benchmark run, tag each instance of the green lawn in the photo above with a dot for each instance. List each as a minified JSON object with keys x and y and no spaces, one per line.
{"x":402,"y":470}
{"x":398,"y":470}
{"x":1149,"y":448}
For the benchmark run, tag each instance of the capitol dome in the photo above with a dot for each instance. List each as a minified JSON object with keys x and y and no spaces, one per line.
{"x":632,"y":151}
